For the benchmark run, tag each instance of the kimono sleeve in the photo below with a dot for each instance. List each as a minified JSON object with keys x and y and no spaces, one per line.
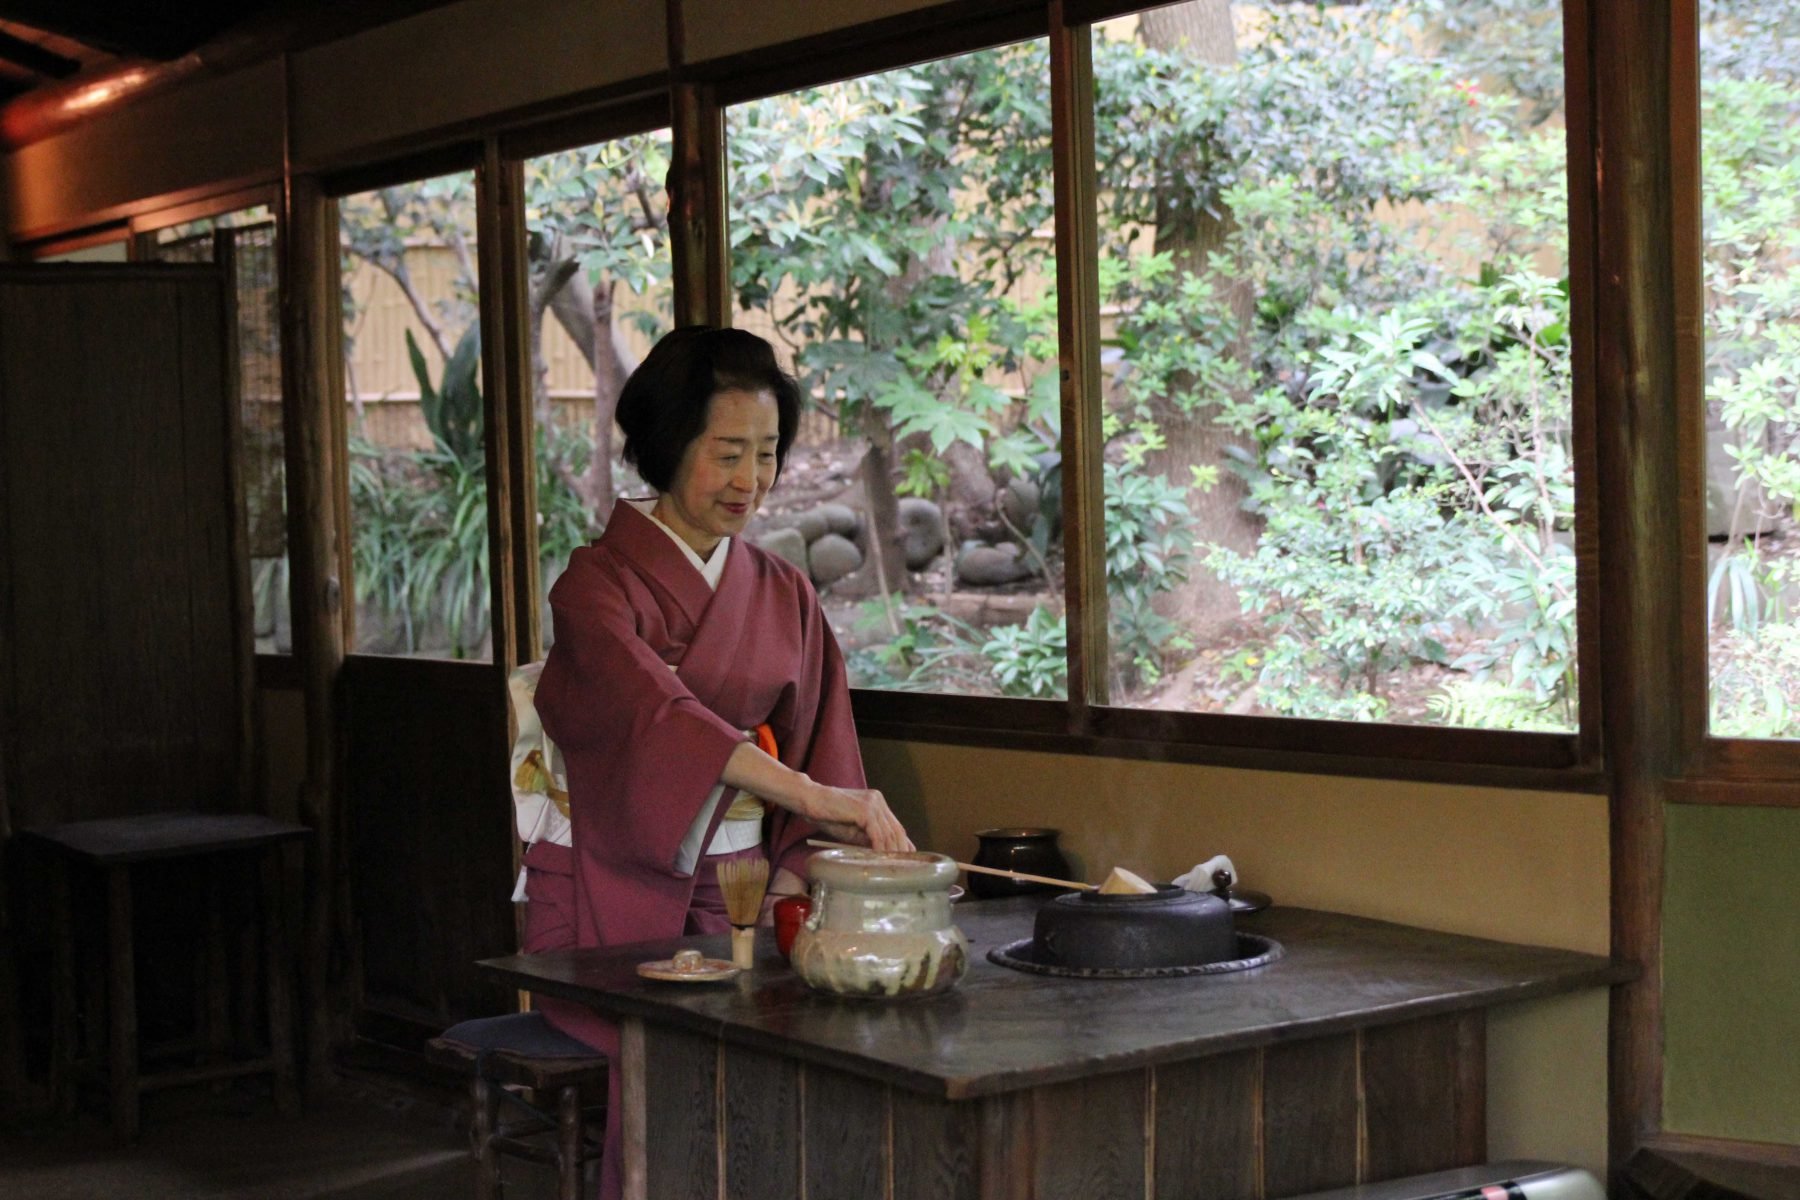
{"x":651,"y":751}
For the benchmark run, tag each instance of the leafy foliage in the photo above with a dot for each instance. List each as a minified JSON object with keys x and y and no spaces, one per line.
{"x":1345,"y":250}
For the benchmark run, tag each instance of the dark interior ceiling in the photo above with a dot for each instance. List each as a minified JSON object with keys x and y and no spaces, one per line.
{"x":47,"y":42}
{"x":156,"y":31}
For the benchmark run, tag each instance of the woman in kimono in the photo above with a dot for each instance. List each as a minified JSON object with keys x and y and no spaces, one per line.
{"x":694,"y":688}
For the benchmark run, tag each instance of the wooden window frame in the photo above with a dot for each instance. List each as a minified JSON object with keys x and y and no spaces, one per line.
{"x":510,"y":384}
{"x":1086,"y":723}
{"x":1714,"y":769}
{"x":267,"y":195}
{"x":446,"y":159}
{"x":68,"y":243}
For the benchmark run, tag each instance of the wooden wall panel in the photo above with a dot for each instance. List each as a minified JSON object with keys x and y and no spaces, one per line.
{"x":762,"y":1125}
{"x":124,"y":686}
{"x":937,"y":1149}
{"x":1414,"y":1079}
{"x":1068,"y":1119}
{"x":846,"y":1121}
{"x":1206,"y":1127}
{"x":681,"y":1115}
{"x":430,"y":822}
{"x":1310,"y":1115}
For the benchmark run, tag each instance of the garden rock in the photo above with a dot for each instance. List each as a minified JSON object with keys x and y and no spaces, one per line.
{"x":1019,"y":501}
{"x":921,"y":531}
{"x":811,"y":525}
{"x":787,"y":543}
{"x":990,"y":566}
{"x":841,"y":518}
{"x":831,"y":558}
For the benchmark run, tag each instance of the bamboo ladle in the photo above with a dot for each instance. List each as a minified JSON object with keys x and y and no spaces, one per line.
{"x":1020,"y":875}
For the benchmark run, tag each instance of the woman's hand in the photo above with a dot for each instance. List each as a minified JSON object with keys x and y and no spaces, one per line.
{"x":858,"y":816}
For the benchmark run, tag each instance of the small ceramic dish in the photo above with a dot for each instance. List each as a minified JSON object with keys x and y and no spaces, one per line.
{"x":689,"y":966}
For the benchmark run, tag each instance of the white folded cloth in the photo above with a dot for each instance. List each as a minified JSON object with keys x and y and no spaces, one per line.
{"x":1200,"y":879}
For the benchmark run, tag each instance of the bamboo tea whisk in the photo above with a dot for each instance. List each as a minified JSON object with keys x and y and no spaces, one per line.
{"x":743,"y":882}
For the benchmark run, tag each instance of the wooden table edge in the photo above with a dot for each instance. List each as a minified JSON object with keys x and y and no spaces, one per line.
{"x":622,"y":1006}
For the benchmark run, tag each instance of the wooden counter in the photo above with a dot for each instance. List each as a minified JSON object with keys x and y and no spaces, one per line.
{"x":1358,"y":1056}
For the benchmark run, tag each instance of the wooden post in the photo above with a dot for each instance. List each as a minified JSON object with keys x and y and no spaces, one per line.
{"x":499,"y":292}
{"x":698,"y":243}
{"x":279,"y":979}
{"x":122,"y":1042}
{"x":633,"y":1104}
{"x":312,"y":414}
{"x":63,"y":1017}
{"x":484,"y":1125}
{"x":243,"y":603}
{"x":506,"y":278}
{"x":568,"y":1142}
{"x":1078,"y":354}
{"x":1638,"y":411}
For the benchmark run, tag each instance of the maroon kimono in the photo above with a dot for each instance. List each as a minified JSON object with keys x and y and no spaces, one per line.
{"x":644,"y":745}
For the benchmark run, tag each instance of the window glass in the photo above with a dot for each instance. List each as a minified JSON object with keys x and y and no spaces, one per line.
{"x":249,"y":235}
{"x":597,"y":219}
{"x":891,"y":235}
{"x":1334,"y":280}
{"x":102,"y":252}
{"x":1750,"y":193}
{"x":412,"y":381}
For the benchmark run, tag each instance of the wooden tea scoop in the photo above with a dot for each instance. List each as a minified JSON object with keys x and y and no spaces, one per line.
{"x":1020,"y":875}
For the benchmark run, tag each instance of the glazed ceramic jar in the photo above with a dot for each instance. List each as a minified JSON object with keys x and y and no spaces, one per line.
{"x":880,"y":926}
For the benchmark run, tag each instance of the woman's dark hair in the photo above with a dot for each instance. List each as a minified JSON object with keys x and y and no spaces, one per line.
{"x":662,"y":407}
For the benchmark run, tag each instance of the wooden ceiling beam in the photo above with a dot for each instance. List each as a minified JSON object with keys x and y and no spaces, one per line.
{"x":35,"y":58}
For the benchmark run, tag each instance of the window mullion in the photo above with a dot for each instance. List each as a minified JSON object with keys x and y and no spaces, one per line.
{"x":1078,"y":354}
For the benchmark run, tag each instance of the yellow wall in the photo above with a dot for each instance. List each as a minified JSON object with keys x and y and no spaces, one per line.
{"x":1731,"y":973}
{"x":1518,"y":866}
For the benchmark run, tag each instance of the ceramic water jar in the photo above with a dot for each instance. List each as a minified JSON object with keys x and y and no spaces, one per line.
{"x":880,"y":926}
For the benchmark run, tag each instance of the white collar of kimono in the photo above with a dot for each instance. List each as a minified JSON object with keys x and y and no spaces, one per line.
{"x":710,"y":568}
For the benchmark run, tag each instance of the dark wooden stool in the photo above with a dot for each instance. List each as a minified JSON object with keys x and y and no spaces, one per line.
{"x":108,"y":849}
{"x":524,"y":1050}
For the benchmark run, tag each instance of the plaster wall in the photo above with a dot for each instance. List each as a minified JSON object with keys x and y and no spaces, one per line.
{"x":213,"y":134}
{"x":717,"y":28}
{"x":1731,"y":973}
{"x":452,"y":66}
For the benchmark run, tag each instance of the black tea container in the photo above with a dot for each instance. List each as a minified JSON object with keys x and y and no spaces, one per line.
{"x":1032,"y":851}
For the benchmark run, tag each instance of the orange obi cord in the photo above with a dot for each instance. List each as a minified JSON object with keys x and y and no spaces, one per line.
{"x":744,"y":806}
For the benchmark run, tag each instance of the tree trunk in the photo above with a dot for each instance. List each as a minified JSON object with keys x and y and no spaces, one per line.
{"x":1202,"y":30}
{"x":609,"y":379}
{"x":551,"y":271}
{"x":883,"y":534}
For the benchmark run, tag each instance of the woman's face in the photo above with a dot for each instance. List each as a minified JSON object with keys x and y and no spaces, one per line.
{"x":725,"y":472}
